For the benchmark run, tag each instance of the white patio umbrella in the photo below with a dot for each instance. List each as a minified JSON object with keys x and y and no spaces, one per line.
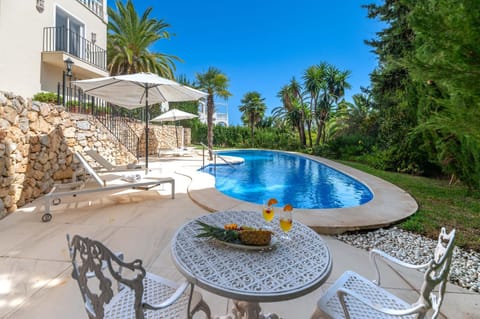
{"x":139,"y":90}
{"x":174,"y":115}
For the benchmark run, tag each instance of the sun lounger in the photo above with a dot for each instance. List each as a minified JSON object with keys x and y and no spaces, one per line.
{"x":55,"y":196}
{"x":109,"y":167}
{"x":176,"y":152}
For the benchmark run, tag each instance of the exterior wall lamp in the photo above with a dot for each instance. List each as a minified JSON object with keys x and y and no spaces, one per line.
{"x":94,"y":38}
{"x":40,"y":5}
{"x":68,"y":65}
{"x":67,"y":72}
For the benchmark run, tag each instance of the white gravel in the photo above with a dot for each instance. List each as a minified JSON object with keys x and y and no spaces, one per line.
{"x":417,"y":249}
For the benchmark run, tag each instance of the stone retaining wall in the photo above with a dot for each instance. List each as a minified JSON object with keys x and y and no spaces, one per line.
{"x":37,"y":142}
{"x":162,"y":137}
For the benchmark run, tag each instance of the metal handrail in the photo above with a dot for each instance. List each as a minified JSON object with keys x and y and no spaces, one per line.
{"x":115,"y":119}
{"x":215,"y":157}
{"x":119,"y":126}
{"x":223,"y":158}
{"x":203,"y":153}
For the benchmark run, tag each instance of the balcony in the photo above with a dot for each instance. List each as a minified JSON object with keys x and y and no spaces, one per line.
{"x":59,"y":40}
{"x":95,"y":6}
{"x":218,"y":118}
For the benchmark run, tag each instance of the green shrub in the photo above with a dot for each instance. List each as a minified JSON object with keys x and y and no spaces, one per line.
{"x":347,"y":146}
{"x":46,"y":97}
{"x":240,"y":137}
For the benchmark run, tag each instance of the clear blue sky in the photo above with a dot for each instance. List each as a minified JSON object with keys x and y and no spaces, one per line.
{"x":260,"y":45}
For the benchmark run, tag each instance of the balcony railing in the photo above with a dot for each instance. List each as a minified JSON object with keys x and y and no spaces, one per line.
{"x":66,"y":40}
{"x":93,"y":5}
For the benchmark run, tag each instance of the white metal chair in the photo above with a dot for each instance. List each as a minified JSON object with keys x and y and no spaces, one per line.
{"x":112,"y":288}
{"x":353,"y":296}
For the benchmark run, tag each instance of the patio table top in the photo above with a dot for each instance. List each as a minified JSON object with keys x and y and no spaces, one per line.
{"x":287,"y":270}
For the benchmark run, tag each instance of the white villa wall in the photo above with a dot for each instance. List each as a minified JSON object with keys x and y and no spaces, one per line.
{"x":21,"y":43}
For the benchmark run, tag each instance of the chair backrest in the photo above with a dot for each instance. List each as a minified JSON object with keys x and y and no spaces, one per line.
{"x":100,"y":159}
{"x":98,"y":270}
{"x":90,"y":169}
{"x":437,"y":272}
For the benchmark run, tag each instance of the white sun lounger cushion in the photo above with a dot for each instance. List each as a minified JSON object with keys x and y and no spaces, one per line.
{"x":131,"y":178}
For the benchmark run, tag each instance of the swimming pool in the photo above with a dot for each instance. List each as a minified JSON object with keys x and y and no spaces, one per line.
{"x":290,"y":178}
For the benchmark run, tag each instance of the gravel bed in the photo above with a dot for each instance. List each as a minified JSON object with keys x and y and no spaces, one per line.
{"x":417,"y":249}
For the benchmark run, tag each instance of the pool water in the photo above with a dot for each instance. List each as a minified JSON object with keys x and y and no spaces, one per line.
{"x":291,"y":179}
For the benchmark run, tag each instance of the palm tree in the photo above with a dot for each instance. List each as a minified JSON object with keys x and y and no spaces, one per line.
{"x":292,"y":99}
{"x":336,"y":82}
{"x":314,"y":82}
{"x":328,"y":85}
{"x":253,"y":108}
{"x":215,"y":83}
{"x":287,"y":119}
{"x":361,"y":115}
{"x":130,"y":38}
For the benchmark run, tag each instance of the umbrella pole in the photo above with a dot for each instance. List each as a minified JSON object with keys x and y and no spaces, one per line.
{"x":146,"y":129}
{"x":176,"y":133}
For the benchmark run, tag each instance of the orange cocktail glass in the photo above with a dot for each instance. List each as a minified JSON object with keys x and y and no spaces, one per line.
{"x":268,"y":212}
{"x":286,"y":220}
{"x":286,"y":224}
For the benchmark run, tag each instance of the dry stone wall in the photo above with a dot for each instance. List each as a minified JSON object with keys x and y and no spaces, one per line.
{"x":37,"y":142}
{"x":164,"y":137}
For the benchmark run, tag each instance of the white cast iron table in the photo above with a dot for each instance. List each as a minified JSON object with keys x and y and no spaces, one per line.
{"x":289,"y":270}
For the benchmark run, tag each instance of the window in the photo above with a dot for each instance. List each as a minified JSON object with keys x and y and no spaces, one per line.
{"x":69,"y":33}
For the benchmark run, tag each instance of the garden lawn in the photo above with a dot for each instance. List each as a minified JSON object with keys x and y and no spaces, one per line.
{"x":440,"y":204}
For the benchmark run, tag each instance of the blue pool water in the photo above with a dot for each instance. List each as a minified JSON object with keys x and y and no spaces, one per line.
{"x":291,"y":179}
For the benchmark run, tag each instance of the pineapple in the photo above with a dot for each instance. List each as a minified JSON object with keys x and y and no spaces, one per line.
{"x":227,"y":235}
{"x":243,"y":235}
{"x":257,"y":237}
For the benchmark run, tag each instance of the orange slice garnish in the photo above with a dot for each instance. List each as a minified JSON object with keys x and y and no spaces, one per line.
{"x":288,"y":208}
{"x":272,"y":201}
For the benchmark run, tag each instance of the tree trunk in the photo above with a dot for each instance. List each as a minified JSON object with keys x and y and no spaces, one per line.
{"x":309,"y":130}
{"x":251,"y":134}
{"x":324,"y":127}
{"x":304,"y":136}
{"x":252,"y":126}
{"x":319,"y":131}
{"x":302,"y":128}
{"x":301,"y":133}
{"x":210,"y":111}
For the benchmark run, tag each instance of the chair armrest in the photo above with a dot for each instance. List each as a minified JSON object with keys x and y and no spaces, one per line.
{"x":374,"y":253}
{"x":170,"y":300}
{"x":342,"y":292}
